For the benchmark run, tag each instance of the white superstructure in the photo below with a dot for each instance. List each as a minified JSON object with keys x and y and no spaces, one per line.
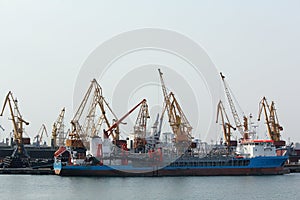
{"x":254,"y":148}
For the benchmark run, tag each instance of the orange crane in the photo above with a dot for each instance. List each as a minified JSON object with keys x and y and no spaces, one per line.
{"x":58,"y":130}
{"x":272,"y":121}
{"x":140,"y":128}
{"x":177,"y":119}
{"x":76,"y":137}
{"x":79,"y":134}
{"x":18,"y":122}
{"x":225,"y":125}
{"x":243,"y":129}
{"x":76,"y":132}
{"x":39,"y":136}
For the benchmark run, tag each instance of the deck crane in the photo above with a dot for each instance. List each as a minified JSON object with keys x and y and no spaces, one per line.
{"x":58,"y":130}
{"x":39,"y":136}
{"x":243,"y":129}
{"x":225,"y":125}
{"x":18,"y":121}
{"x":272,"y":121}
{"x":140,"y":128}
{"x":177,"y":119}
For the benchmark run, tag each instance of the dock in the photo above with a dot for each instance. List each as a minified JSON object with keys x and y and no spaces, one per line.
{"x":294,"y":168}
{"x":29,"y":171}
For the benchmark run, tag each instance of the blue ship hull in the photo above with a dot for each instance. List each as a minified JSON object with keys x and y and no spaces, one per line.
{"x":269,"y":165}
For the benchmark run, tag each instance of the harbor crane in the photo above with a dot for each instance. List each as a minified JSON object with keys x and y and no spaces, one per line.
{"x":109,"y":132}
{"x":90,"y":128}
{"x":140,"y":128}
{"x":19,"y":155}
{"x":58,"y":136}
{"x":158,"y":123}
{"x":39,"y":136}
{"x":177,"y":119}
{"x":243,"y":129}
{"x":95,"y":127}
{"x":103,"y":119}
{"x":272,"y":122}
{"x":225,"y":125}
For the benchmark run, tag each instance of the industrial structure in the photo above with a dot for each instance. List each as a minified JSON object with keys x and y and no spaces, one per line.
{"x":140,"y":128}
{"x":272,"y":122}
{"x":19,"y":157}
{"x":226,"y":126}
{"x":93,"y":146}
{"x":242,"y":128}
{"x":39,"y":137}
{"x":177,"y":119}
{"x":91,"y":125}
{"x":58,"y":131}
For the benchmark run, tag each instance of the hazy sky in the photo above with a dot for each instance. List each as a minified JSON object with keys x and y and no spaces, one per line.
{"x":43,"y":45}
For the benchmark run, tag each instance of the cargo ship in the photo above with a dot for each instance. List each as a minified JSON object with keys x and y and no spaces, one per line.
{"x":178,"y":157}
{"x":252,"y":157}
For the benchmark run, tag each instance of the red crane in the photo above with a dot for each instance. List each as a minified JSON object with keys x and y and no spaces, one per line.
{"x":107,"y":133}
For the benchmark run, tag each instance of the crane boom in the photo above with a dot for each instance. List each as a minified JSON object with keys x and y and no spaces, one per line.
{"x":234,"y":112}
{"x":225,"y":124}
{"x":108,"y":132}
{"x":177,"y":119}
{"x":140,"y":128}
{"x":271,"y":118}
{"x":17,"y":121}
{"x":91,"y":126}
{"x":39,"y":136}
{"x":164,"y":89}
{"x":77,"y":116}
{"x":58,"y":129}
{"x":102,"y":103}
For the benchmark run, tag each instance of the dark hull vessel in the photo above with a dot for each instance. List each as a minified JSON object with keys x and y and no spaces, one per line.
{"x":37,"y":157}
{"x":33,"y":152}
{"x":272,"y":165}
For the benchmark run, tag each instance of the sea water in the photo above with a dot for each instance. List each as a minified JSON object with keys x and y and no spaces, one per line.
{"x":202,"y":187}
